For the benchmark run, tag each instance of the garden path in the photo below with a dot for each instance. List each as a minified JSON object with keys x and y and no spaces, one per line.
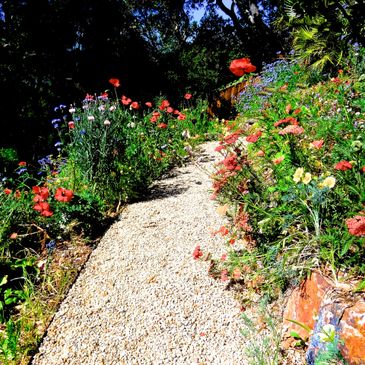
{"x":142,"y":298}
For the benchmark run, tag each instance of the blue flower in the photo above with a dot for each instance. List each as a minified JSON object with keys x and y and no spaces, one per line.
{"x":57,"y":144}
{"x":51,"y":246}
{"x":19,"y":172}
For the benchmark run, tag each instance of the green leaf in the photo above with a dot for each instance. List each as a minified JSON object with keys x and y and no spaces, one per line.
{"x":4,"y":280}
{"x":304,"y":326}
{"x":360,"y":287}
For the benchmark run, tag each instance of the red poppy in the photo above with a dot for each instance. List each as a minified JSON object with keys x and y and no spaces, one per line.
{"x":125,"y":100}
{"x":164,"y":104}
{"x":162,"y":125}
{"x":115,"y":82}
{"x":187,"y":96}
{"x":17,"y":194}
{"x":135,"y":105}
{"x":241,"y":66}
{"x":22,"y":163}
{"x":356,"y":225}
{"x":181,"y":116}
{"x":343,"y":165}
{"x":219,"y":148}
{"x":153,"y":119}
{"x":7,"y":191}
{"x":43,"y":192}
{"x":197,"y":253}
{"x":289,"y":120}
{"x":169,"y":110}
{"x":148,"y":104}
{"x":63,"y":195}
{"x":254,"y":137}
{"x":317,"y":144}
{"x":71,"y":124}
{"x":44,"y":208}
{"x":223,"y":231}
{"x":362,"y":169}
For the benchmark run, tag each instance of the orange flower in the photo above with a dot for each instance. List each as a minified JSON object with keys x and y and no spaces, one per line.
{"x":7,"y":191}
{"x":14,"y":236}
{"x":22,"y":163}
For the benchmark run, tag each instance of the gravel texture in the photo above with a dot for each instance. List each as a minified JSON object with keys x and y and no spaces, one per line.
{"x":142,"y":298}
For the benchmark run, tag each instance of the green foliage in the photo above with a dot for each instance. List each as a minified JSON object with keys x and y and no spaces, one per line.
{"x":292,"y":176}
{"x":263,"y":338}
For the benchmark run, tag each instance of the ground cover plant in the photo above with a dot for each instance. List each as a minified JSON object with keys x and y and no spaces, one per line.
{"x":108,"y":151}
{"x":292,"y":179}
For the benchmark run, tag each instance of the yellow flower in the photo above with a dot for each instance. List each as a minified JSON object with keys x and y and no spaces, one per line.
{"x":298,"y":174}
{"x":328,"y":182}
{"x":307,"y":178}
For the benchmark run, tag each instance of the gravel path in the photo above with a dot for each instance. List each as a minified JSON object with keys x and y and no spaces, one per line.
{"x":141,"y":298}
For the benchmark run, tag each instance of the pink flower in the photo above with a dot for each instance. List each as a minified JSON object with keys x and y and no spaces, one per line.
{"x":260,"y":153}
{"x":164,"y":104}
{"x":289,"y":120}
{"x":278,"y":160}
{"x":135,"y":105}
{"x":317,"y":144}
{"x":148,"y":104}
{"x":181,"y":116}
{"x":343,"y":165}
{"x":292,"y":129}
{"x":254,"y":137}
{"x":224,"y":257}
{"x":71,"y":124}
{"x":219,"y":148}
{"x":223,"y":231}
{"x":224,"y":275}
{"x":197,"y":253}
{"x":187,"y":96}
{"x":125,"y":100}
{"x":356,"y":225}
{"x":169,"y":109}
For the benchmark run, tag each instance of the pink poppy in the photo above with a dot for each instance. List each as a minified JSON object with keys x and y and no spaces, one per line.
{"x":187,"y":96}
{"x":148,"y":104}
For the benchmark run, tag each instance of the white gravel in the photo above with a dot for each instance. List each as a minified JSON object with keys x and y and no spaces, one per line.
{"x":141,"y":298}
